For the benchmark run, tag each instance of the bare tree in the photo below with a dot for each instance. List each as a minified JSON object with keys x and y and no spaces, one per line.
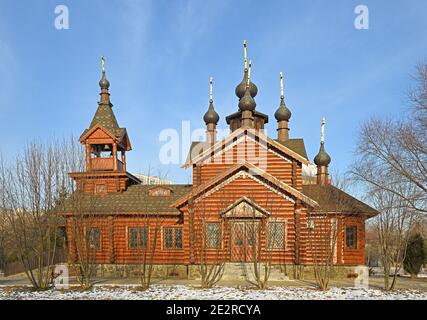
{"x":323,"y":228}
{"x":322,"y":235}
{"x":393,"y":226}
{"x":251,"y":243}
{"x":146,"y":238}
{"x":261,"y":241}
{"x":84,"y":237}
{"x":207,"y":242}
{"x":3,"y":239}
{"x":146,"y":268}
{"x":398,"y":150}
{"x":391,"y":158}
{"x":83,"y":229}
{"x":31,"y":193}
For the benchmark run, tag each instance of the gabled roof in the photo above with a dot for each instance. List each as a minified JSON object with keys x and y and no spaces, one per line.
{"x":251,"y":170}
{"x":88,"y":132}
{"x":206,"y":151}
{"x":244,"y":207}
{"x":333,"y":200}
{"x":135,"y":200}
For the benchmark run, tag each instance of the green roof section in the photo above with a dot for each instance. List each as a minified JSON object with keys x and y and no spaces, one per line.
{"x":105,"y":117}
{"x":296,"y":145}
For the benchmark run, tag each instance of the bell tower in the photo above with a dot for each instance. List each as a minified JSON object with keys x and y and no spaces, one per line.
{"x":106,"y":145}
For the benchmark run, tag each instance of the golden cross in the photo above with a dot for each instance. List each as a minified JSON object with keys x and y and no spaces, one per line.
{"x":281,"y":85}
{"x":210,"y":89}
{"x":245,"y":56}
{"x":249,"y":72}
{"x":322,"y":132}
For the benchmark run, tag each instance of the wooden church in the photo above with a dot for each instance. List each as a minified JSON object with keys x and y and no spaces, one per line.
{"x":248,"y":199}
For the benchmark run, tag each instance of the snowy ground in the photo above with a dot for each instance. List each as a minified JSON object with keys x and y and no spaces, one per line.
{"x":170,"y":292}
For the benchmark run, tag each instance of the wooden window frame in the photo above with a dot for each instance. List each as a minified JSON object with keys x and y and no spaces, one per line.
{"x":269,"y":246}
{"x":138,"y":247}
{"x":173,"y":248}
{"x":355,"y":234}
{"x":220,"y":244}
{"x":87,"y":232}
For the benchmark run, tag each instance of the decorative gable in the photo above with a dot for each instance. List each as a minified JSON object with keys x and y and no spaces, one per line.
{"x":97,"y":133}
{"x":245,"y":171}
{"x":263,"y":144}
{"x":244,"y":208}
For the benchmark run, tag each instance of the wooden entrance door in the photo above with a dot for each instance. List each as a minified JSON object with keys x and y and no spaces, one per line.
{"x":244,"y":243}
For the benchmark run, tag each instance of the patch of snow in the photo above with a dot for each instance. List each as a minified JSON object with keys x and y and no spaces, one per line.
{"x":172,"y":292}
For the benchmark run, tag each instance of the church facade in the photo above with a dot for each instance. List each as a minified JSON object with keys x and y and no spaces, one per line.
{"x":248,"y":200}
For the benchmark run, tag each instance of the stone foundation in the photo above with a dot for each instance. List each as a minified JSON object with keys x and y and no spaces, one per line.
{"x":191,"y":272}
{"x":307,"y":272}
{"x":163,"y":271}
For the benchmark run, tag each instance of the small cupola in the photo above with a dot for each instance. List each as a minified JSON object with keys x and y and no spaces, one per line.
{"x":282,"y":115}
{"x":247,"y":103}
{"x":322,"y":159}
{"x":241,"y":87}
{"x":211,"y":117}
{"x":246,"y":115}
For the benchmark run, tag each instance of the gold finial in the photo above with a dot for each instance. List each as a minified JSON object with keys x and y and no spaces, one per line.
{"x":322,"y":132}
{"x":249,"y":73}
{"x":281,"y":85}
{"x":103,"y":63}
{"x":210,"y":89}
{"x":245,"y":56}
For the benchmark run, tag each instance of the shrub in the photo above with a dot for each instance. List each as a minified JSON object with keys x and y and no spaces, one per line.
{"x":415,"y":255}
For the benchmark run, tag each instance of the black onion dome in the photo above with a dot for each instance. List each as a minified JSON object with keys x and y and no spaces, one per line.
{"x":241,"y":87}
{"x":211,"y":116}
{"x":104,"y":83}
{"x":247,"y":102}
{"x":282,"y":113}
{"x":322,"y":158}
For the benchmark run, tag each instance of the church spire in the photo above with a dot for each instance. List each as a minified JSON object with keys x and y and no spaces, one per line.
{"x":282,"y":115}
{"x":211,"y":117}
{"x":247,"y":103}
{"x":241,"y":87}
{"x":104,"y":115}
{"x":322,"y":159}
{"x":104,"y":84}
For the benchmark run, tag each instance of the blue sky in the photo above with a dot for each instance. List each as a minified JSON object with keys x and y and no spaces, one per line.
{"x":160,"y":54}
